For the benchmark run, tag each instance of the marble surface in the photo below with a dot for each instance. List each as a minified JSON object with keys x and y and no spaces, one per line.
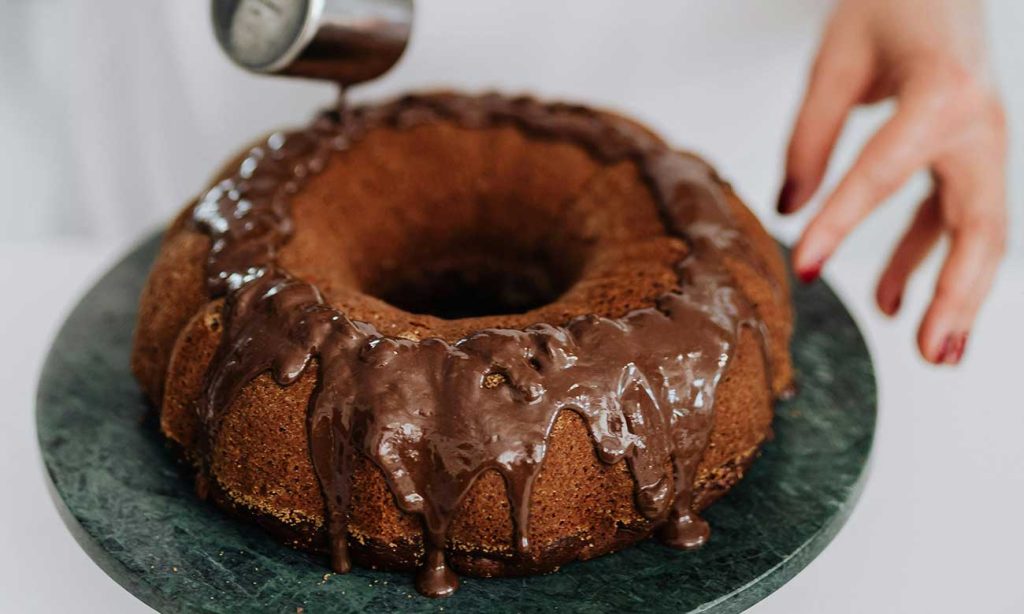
{"x":134,"y":512}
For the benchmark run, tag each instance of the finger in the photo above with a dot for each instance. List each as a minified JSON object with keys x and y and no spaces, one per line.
{"x":902,"y":146}
{"x":837,"y":81}
{"x":963,"y":284}
{"x":978,"y":242}
{"x":964,"y":281}
{"x":918,"y":240}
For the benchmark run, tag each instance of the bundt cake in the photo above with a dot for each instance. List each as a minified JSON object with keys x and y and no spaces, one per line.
{"x":470,"y":334}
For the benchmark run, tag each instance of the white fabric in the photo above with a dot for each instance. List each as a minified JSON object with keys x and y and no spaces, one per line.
{"x":114,"y":112}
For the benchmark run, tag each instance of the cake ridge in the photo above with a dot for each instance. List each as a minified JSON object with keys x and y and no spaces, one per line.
{"x":633,"y":364}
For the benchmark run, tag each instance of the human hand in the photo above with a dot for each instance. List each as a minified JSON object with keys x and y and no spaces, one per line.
{"x":929,"y":55}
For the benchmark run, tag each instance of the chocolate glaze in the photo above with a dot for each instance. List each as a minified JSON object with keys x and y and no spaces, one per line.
{"x":434,"y":415}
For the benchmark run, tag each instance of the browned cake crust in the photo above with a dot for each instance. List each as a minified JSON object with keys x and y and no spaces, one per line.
{"x":497,"y":198}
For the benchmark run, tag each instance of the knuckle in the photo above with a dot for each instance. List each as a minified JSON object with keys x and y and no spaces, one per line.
{"x":986,"y":235}
{"x":949,"y":291}
{"x":952,"y":89}
{"x":877,"y":180}
{"x":956,"y":76}
{"x":839,"y":74}
{"x":988,"y":226}
{"x":838,"y":70}
{"x":833,"y":224}
{"x":995,"y":113}
{"x":995,"y":237}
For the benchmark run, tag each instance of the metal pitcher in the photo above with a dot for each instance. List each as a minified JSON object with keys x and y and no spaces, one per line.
{"x":347,"y":41}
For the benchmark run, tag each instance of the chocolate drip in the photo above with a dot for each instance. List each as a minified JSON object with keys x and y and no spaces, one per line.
{"x":433,"y":415}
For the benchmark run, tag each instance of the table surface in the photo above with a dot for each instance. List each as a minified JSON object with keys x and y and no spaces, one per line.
{"x":936,"y":529}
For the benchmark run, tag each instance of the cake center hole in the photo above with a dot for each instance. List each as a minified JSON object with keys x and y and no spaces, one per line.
{"x":473,"y":285}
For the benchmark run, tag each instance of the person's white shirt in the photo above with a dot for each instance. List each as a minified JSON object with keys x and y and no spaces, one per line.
{"x":115,"y":112}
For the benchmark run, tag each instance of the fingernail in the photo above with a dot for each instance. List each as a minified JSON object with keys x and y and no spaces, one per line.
{"x":811,"y":273}
{"x":785,"y":202}
{"x":947,"y":346}
{"x":960,"y":346}
{"x":953,"y":349}
{"x":894,"y":304}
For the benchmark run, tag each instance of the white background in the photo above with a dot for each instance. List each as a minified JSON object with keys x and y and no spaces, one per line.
{"x":114,"y":112}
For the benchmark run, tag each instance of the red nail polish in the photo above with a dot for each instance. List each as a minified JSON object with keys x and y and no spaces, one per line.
{"x":811,"y":273}
{"x":890,"y":308}
{"x":785,"y":201}
{"x":952,"y":349}
{"x":959,"y":344}
{"x":945,"y":351}
{"x":895,"y":305}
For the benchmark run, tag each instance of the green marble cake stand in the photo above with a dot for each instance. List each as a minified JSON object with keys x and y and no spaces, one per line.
{"x":133,"y":509}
